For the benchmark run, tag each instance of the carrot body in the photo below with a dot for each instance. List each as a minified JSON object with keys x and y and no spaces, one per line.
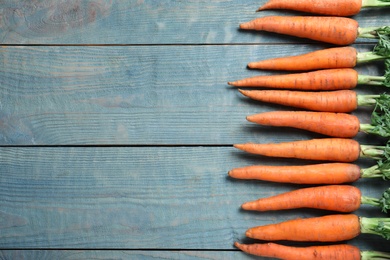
{"x":329,"y":228}
{"x":335,"y":252}
{"x":330,"y":79}
{"x":325,"y":173}
{"x":327,"y":101}
{"x":336,"y":30}
{"x":327,"y":123}
{"x":326,"y":7}
{"x":340,"y":57}
{"x":327,"y":149}
{"x":342,"y":198}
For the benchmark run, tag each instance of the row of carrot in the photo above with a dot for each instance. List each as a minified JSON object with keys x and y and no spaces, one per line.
{"x":331,"y":71}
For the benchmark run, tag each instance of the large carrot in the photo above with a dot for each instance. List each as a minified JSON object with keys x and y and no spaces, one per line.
{"x":326,"y":101}
{"x":329,"y":79}
{"x":329,"y":228}
{"x":323,"y":173}
{"x":335,"y":252}
{"x":326,"y":149}
{"x":331,"y":58}
{"x":341,"y":198}
{"x":325,"y":7}
{"x":327,"y":123}
{"x":335,"y":30}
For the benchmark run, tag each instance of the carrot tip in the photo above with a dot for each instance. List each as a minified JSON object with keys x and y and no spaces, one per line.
{"x":251,"y":65}
{"x":250,"y":118}
{"x":245,"y":206}
{"x":238,"y":146}
{"x":238,"y":245}
{"x":244,"y":92}
{"x":245,"y":26}
{"x":248,"y":233}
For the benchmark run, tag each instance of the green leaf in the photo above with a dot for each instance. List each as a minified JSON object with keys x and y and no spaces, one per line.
{"x":383,"y":46}
{"x":384,"y":168}
{"x":380,"y":117}
{"x":384,"y":201}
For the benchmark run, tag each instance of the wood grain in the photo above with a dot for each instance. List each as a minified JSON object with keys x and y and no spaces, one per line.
{"x":137,"y":95}
{"x":142,"y":22}
{"x":136,"y":198}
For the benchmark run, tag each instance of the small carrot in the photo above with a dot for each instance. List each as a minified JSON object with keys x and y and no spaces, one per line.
{"x":329,"y":228}
{"x":327,"y":123}
{"x":323,"y":173}
{"x":325,"y":7}
{"x":335,"y":252}
{"x":335,"y":30}
{"x":331,"y":58}
{"x":329,"y":79}
{"x":326,"y":101}
{"x":341,"y":198}
{"x":326,"y":149}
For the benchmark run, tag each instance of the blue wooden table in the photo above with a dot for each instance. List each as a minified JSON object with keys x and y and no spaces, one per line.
{"x":117,"y":125}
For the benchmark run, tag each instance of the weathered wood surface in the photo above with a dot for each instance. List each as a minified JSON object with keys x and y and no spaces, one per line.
{"x":115,"y":142}
{"x":141,"y":22}
{"x":136,"y":95}
{"x":137,"y":198}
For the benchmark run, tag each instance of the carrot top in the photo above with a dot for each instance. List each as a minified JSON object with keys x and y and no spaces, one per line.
{"x":380,"y":170}
{"x":380,"y":118}
{"x":383,"y":202}
{"x":376,"y":226}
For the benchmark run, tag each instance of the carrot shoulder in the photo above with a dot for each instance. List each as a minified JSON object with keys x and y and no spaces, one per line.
{"x":341,"y":198}
{"x":329,"y":228}
{"x":340,"y":57}
{"x":324,"y":173}
{"x":327,"y":149}
{"x":327,"y":123}
{"x":325,"y":7}
{"x":335,"y":252}
{"x":327,"y":101}
{"x":330,"y":79}
{"x":336,"y":30}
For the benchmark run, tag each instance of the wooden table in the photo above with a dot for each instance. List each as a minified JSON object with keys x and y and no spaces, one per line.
{"x":117,"y":125}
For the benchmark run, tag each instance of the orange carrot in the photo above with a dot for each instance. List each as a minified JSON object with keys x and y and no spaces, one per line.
{"x":335,"y":30}
{"x":342,"y":198}
{"x":330,"y":79}
{"x":329,"y":228}
{"x":327,"y":149}
{"x":325,"y":173}
{"x":325,"y":7}
{"x":327,"y":101}
{"x":340,"y":57}
{"x":335,"y":252}
{"x":327,"y":123}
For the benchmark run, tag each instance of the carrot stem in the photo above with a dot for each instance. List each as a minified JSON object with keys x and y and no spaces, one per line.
{"x":367,"y":100}
{"x":380,"y":170}
{"x":364,"y":57}
{"x":372,"y":32}
{"x":376,"y":226}
{"x":375,"y":3}
{"x":374,"y":255}
{"x":371,"y":80}
{"x":374,"y":152}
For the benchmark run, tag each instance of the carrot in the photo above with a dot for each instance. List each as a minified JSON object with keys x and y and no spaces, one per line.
{"x":335,"y":252}
{"x":323,"y":173}
{"x":325,"y":7}
{"x":326,"y":101}
{"x":327,"y":123}
{"x":329,"y":228}
{"x":335,"y":30}
{"x":341,"y":198}
{"x":331,"y":58}
{"x":329,"y":79}
{"x":327,"y":149}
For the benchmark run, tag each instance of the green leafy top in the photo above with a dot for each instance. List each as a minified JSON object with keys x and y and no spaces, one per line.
{"x":383,"y":46}
{"x":380,"y":117}
{"x":384,"y":201}
{"x":376,"y":226}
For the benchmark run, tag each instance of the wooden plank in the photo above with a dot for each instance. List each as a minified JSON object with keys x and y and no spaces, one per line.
{"x":114,"y":254}
{"x":138,"y":198}
{"x":136,"y":95}
{"x":142,"y":22}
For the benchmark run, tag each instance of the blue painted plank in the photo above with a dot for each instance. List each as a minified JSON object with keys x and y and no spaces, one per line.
{"x":137,"y":95}
{"x":142,"y":22}
{"x":114,"y":254}
{"x":138,"y":198}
